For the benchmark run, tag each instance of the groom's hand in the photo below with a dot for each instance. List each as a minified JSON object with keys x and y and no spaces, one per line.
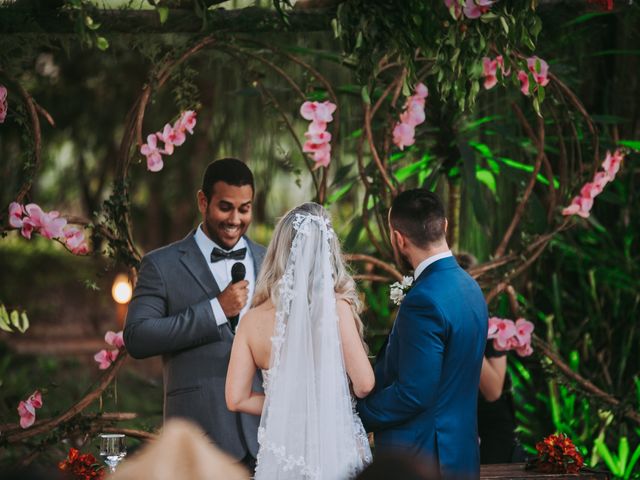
{"x":233,"y":298}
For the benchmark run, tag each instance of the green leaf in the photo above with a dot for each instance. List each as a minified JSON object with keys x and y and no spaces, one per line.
{"x":364,"y":93}
{"x":487,"y":178}
{"x":102,"y":43}
{"x":632,"y":462}
{"x":623,"y":453}
{"x":606,"y":456}
{"x":632,"y":144}
{"x":163,"y":14}
{"x":505,"y":25}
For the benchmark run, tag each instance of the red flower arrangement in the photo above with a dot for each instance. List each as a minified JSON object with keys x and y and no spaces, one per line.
{"x":557,"y":454}
{"x":81,"y":466}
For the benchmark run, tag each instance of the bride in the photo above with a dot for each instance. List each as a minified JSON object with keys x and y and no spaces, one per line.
{"x":305,"y":334}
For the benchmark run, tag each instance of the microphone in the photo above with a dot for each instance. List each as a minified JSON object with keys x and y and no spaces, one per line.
{"x":238,"y":272}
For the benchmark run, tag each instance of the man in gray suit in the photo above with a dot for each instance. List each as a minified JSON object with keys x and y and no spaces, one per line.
{"x":185,"y":308}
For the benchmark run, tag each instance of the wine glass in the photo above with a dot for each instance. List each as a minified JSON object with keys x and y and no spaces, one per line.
{"x":112,"y":449}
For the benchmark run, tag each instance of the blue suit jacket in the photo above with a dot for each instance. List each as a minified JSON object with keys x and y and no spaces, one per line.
{"x":427,"y":379}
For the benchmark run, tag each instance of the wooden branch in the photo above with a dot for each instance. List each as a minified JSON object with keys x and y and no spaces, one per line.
{"x":586,"y":385}
{"x":387,"y":267}
{"x":18,"y":19}
{"x":372,"y":278}
{"x":374,"y":152}
{"x":44,"y":426}
{"x":517,"y":216}
{"x":130,"y":432}
{"x":32,"y":110}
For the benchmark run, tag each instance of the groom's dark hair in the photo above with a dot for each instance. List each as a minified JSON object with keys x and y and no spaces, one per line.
{"x":228,"y":170}
{"x":419,"y":215}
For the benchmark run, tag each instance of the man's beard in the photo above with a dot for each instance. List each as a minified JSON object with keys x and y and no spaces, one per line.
{"x":401,"y":261}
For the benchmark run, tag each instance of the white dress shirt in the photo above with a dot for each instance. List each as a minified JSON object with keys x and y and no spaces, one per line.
{"x":428,"y":261}
{"x":221,"y":271}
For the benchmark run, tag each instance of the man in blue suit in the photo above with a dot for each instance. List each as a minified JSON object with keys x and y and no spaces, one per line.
{"x":427,"y":376}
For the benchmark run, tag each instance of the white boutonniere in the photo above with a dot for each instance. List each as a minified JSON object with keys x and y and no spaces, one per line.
{"x":399,"y":289}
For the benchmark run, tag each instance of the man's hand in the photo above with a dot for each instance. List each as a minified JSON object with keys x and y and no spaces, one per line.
{"x":233,"y":298}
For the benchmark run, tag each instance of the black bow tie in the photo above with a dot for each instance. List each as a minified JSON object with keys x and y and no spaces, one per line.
{"x":219,"y":254}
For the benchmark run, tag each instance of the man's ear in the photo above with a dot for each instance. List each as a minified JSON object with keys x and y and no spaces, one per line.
{"x":446,"y":225}
{"x":202,"y":202}
{"x":401,"y":240}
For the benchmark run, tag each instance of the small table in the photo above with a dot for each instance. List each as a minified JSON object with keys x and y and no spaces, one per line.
{"x":517,"y":471}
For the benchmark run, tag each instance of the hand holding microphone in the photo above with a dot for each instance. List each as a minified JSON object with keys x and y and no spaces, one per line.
{"x":235,"y":296}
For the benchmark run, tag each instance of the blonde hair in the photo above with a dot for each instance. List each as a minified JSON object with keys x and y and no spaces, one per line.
{"x":275,"y":263}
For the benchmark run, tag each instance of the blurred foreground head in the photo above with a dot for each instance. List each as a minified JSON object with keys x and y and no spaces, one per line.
{"x":182,"y":451}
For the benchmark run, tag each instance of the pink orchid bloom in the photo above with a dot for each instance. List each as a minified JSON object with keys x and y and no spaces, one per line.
{"x":403,"y":135}
{"x":489,"y":69}
{"x":317,"y":127}
{"x":506,"y":330}
{"x":316,"y":111}
{"x":16,"y":212}
{"x":75,"y":241}
{"x":600,"y":180}
{"x":114,"y":339}
{"x":612,"y":162}
{"x":171,"y":137}
{"x":414,"y":114}
{"x":150,"y":150}
{"x":320,"y":137}
{"x":3,"y":103}
{"x":36,"y":215}
{"x":524,"y":329}
{"x":579,"y":206}
{"x":524,"y":350}
{"x":540,"y":75}
{"x":454,"y":8}
{"x":493,"y":327}
{"x":53,"y":226}
{"x":187,"y":121}
{"x":105,"y":358}
{"x":27,"y":414}
{"x":524,"y":82}
{"x":474,"y":9}
{"x":421,"y":91}
{"x":322,"y":159}
{"x":28,"y":226}
{"x":36,"y":399}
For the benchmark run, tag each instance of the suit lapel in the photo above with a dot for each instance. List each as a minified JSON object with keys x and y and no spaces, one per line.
{"x":257,"y":252}
{"x":196,"y":264}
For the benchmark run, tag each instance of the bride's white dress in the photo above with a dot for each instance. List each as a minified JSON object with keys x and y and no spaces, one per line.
{"x":309,"y":427}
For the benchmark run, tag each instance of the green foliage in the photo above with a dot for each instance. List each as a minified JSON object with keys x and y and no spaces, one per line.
{"x":415,"y":31}
{"x":14,"y":320}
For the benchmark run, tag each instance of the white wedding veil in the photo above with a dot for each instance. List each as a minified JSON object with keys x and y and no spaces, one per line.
{"x":309,"y":428}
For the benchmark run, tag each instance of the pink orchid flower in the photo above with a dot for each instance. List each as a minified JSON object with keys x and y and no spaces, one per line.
{"x":322,"y":159}
{"x":171,"y":137}
{"x":3,"y":103}
{"x":319,"y":137}
{"x":36,"y":399}
{"x":105,"y":358}
{"x":114,"y":339}
{"x":50,"y":225}
{"x":421,"y":91}
{"x":506,"y":330}
{"x":493,"y":327}
{"x":524,"y":329}
{"x":27,"y":409}
{"x":53,"y":226}
{"x":524,"y":350}
{"x":489,"y":70}
{"x":28,"y":226}
{"x":151,"y":151}
{"x":316,"y":111}
{"x":403,"y":135}
{"x":16,"y":212}
{"x":474,"y":9}
{"x":524,"y":82}
{"x":612,"y":162}
{"x":540,"y":70}
{"x":187,"y":121}
{"x":579,"y":206}
{"x":75,"y":241}
{"x":27,"y":414}
{"x":414,"y":115}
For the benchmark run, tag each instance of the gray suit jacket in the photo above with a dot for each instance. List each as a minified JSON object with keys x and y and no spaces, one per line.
{"x":170,"y":315}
